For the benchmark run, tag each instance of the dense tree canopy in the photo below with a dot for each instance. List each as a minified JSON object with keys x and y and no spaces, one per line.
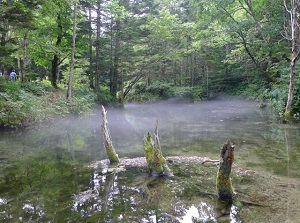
{"x":164,"y":48}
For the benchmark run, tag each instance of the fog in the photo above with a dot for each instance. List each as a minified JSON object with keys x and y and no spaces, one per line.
{"x":198,"y":128}
{"x":181,"y":125}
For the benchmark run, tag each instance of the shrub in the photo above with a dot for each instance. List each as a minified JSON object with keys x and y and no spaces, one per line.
{"x":24,"y":103}
{"x":104,"y":97}
{"x":37,"y":88}
{"x":162,"y":90}
{"x":189,"y":93}
{"x":25,"y":110}
{"x":83,"y":101}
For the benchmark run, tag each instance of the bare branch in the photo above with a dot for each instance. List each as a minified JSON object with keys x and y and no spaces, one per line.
{"x":285,"y":6}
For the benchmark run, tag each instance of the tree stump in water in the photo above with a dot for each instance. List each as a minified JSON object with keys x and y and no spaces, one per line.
{"x":110,"y":151}
{"x":157,"y":164}
{"x":224,"y":185}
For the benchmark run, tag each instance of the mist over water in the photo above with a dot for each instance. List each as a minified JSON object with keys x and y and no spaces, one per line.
{"x":43,"y":167}
{"x":186,"y":125}
{"x":184,"y":128}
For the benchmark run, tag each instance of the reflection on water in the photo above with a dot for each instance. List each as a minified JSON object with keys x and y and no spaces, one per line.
{"x":205,"y":213}
{"x":44,"y":178}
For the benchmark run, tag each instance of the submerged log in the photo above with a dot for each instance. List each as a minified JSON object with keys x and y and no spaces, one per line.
{"x":157,"y":164}
{"x":110,"y":151}
{"x":224,"y":185}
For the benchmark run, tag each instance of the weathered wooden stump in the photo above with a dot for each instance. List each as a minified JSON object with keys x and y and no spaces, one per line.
{"x":157,"y":164}
{"x":110,"y":150}
{"x":224,"y":185}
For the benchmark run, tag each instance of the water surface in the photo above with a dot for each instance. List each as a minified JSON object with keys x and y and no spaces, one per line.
{"x":45,"y":178}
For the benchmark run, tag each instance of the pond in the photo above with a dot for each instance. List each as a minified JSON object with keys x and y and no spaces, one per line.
{"x":47,"y":172}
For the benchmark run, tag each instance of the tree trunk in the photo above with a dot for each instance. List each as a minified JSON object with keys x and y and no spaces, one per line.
{"x":121,"y":92}
{"x":224,"y":186}
{"x":91,"y":76}
{"x":70,"y":83}
{"x":110,"y":151}
{"x":97,"y":72}
{"x":115,"y":70}
{"x":54,"y":71}
{"x":289,"y":102}
{"x":55,"y":61}
{"x":294,"y":35}
{"x":23,"y":61}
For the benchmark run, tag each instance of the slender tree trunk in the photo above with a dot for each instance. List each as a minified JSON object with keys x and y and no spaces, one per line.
{"x":91,"y":76}
{"x":294,"y":35}
{"x":111,"y":68}
{"x":55,"y":60}
{"x":207,"y":80}
{"x":23,"y":63}
{"x":19,"y":60}
{"x":54,"y":71}
{"x":289,"y":102}
{"x":192,"y":70}
{"x":70,"y":83}
{"x":97,"y":72}
{"x":121,"y":92}
{"x":115,"y":73}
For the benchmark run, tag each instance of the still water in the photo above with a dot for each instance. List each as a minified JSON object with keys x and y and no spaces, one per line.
{"x":45,"y":175}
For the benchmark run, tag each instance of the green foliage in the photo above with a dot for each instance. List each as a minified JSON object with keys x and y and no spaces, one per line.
{"x":20,"y":110}
{"x":144,"y":97}
{"x":10,"y":88}
{"x":82,"y":102}
{"x":253,"y":91}
{"x":218,"y":47}
{"x":277,"y":97}
{"x":140,"y":94}
{"x":25,"y":103}
{"x":162,"y":91}
{"x":189,"y":93}
{"x":105,"y":98}
{"x":37,"y":88}
{"x":278,"y":94}
{"x":154,"y":92}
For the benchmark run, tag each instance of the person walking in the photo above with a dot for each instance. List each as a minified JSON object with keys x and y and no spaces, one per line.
{"x":13,"y":76}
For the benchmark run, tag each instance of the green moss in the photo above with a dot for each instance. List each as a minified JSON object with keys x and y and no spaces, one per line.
{"x":112,"y":155}
{"x":149,"y":146}
{"x":224,"y":185}
{"x":286,"y":116}
{"x":157,"y":164}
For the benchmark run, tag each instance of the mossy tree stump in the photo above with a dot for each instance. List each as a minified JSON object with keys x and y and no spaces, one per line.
{"x":110,"y":151}
{"x":224,"y":185}
{"x":157,"y":164}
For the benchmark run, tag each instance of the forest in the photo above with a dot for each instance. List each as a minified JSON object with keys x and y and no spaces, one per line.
{"x":70,"y":55}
